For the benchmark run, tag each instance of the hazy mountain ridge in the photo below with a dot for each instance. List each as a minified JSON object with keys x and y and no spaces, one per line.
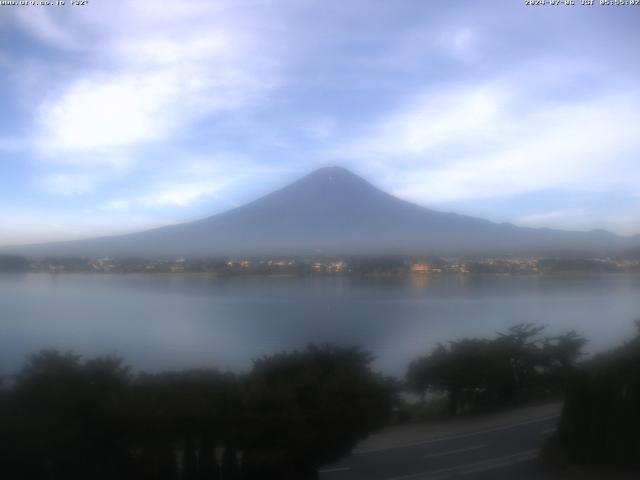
{"x":334,"y":211}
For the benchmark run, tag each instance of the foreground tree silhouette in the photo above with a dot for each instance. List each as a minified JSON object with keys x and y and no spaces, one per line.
{"x":309,"y":408}
{"x":513,"y":367}
{"x":68,"y":419}
{"x":185,"y":415}
{"x":601,"y":415}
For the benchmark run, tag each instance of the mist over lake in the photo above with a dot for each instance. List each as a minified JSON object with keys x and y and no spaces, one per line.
{"x":173,"y":321}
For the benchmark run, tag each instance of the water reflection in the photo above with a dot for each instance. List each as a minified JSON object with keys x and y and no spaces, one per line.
{"x":168,"y":321}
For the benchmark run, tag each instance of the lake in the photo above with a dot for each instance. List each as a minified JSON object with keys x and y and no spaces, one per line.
{"x":173,"y":321}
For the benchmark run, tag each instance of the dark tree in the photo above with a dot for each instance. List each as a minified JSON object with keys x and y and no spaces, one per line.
{"x":601,"y":415}
{"x":309,"y":408}
{"x":68,"y":418}
{"x":65,"y":418}
{"x":515,"y":367}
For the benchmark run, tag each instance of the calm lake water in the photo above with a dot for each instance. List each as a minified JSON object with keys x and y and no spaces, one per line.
{"x":159,"y":322}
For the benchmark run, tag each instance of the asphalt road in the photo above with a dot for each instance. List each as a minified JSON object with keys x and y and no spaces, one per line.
{"x":499,"y":452}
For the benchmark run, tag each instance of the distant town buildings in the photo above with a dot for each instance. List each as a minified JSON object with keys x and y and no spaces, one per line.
{"x":367,"y":266}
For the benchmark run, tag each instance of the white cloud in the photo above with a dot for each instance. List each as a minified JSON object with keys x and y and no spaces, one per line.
{"x":215,"y":165}
{"x":113,"y":112}
{"x":430,"y":121}
{"x":624,"y":220}
{"x":503,"y":138}
{"x":459,"y":43}
{"x":430,"y":42}
{"x":181,"y":195}
{"x":193,"y":182}
{"x":69,"y":184}
{"x":137,"y":106}
{"x":132,"y":85}
{"x":546,"y":150}
{"x":178,"y":194}
{"x":98,"y":162}
{"x":165,"y":50}
{"x":320,"y":129}
{"x":27,"y":225}
{"x":554,"y":216}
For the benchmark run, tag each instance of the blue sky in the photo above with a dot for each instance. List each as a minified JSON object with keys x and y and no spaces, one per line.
{"x":125,"y":115}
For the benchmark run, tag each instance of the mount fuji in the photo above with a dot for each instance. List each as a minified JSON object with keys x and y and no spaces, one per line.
{"x":334,"y":211}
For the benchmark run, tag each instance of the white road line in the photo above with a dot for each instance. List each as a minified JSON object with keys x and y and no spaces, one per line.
{"x":457,"y":437}
{"x":452,"y":452}
{"x":337,"y":469}
{"x":476,"y":467}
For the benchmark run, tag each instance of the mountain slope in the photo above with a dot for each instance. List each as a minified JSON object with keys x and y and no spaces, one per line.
{"x":333,"y":210}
